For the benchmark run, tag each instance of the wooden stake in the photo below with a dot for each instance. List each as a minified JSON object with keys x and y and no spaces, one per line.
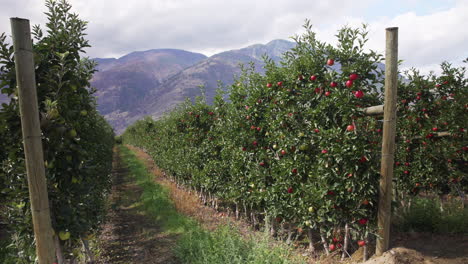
{"x":388,"y":141}
{"x":374,"y":110}
{"x":26,"y":81}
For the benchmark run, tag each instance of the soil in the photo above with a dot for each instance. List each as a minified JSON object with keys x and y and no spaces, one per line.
{"x":128,"y":235}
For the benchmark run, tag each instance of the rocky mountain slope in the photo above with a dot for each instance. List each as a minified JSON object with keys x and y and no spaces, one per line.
{"x":152,"y":82}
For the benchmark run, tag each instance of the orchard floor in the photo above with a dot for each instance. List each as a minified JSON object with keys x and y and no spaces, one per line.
{"x":130,"y":237}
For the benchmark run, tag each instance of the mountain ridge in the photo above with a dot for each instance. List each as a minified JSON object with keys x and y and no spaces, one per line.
{"x":151,"y":82}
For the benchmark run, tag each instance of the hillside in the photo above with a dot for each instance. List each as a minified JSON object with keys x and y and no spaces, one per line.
{"x":153,"y":82}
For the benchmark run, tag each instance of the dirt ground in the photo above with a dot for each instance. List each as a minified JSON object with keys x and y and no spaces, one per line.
{"x":129,"y":230}
{"x":128,"y":235}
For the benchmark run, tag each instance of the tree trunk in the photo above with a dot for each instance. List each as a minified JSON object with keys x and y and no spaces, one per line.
{"x":325,"y":244}
{"x":311,"y":241}
{"x":346,"y":242}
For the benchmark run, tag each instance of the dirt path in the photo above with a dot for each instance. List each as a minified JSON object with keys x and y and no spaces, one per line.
{"x":128,"y":235}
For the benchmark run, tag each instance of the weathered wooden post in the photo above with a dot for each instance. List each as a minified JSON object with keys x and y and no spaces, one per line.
{"x":388,"y":141}
{"x":26,"y":80}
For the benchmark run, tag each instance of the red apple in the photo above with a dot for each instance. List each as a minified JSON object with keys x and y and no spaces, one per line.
{"x":435,"y":129}
{"x":313,"y":78}
{"x":269,"y":85}
{"x":330,"y":62}
{"x":363,"y":221}
{"x":350,"y":128}
{"x":349,"y":83}
{"x":283,"y":152}
{"x":332,"y":247}
{"x":333,"y":84}
{"x":359,"y":94}
{"x":327,"y":93}
{"x":353,"y":76}
{"x":280,"y":84}
{"x":324,"y":151}
{"x":294,"y":171}
{"x":290,"y":190}
{"x":361,"y":243}
{"x":316,"y":130}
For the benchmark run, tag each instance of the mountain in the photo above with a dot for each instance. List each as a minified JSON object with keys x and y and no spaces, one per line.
{"x":123,"y":83}
{"x":150,"y":83}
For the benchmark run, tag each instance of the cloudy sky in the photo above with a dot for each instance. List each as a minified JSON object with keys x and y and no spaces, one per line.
{"x":430,"y":31}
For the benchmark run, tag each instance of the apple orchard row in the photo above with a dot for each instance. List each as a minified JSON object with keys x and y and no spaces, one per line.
{"x":293,"y":145}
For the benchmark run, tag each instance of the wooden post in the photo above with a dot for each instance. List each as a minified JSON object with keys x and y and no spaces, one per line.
{"x":388,"y":142}
{"x":26,"y":80}
{"x":374,"y":110}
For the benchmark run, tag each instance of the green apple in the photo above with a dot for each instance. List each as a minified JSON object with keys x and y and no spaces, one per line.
{"x":304,"y":147}
{"x":72,"y":133}
{"x":64,"y":235}
{"x":311,"y":209}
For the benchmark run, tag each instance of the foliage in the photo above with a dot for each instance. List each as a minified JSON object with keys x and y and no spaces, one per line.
{"x":427,"y":106}
{"x":294,"y":144}
{"x":77,"y":140}
{"x":197,"y":245}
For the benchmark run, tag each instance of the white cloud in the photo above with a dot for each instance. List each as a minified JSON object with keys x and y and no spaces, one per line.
{"x":117,"y":27}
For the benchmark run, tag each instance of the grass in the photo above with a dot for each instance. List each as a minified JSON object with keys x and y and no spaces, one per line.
{"x":197,"y":245}
{"x":432,"y":215}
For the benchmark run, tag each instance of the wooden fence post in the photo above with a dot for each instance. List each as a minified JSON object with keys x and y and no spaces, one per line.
{"x":26,"y":81}
{"x":388,"y":141}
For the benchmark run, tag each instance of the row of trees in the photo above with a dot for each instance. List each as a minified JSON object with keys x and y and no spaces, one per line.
{"x":77,"y":140}
{"x":293,"y":146}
